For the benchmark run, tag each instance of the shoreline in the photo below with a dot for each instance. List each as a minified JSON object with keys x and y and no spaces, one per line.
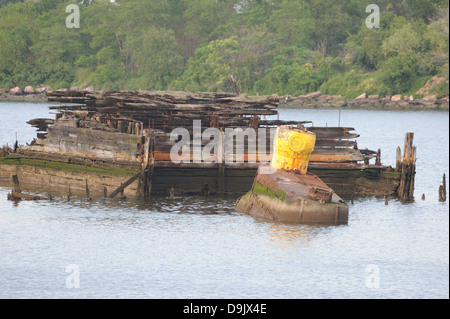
{"x":315,"y":100}
{"x":399,"y":108}
{"x":32,"y":97}
{"x":364,"y":102}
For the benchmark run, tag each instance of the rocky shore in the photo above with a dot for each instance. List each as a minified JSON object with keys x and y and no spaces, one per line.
{"x":311,"y":100}
{"x":28,"y":94}
{"x":364,"y":101}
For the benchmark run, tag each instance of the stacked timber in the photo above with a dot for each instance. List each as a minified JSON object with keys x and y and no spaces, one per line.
{"x":166,"y":111}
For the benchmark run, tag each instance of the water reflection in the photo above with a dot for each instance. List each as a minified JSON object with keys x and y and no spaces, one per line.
{"x":288,"y":235}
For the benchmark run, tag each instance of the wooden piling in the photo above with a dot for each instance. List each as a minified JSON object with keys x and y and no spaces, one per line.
{"x":443,"y":190}
{"x":444,"y":186}
{"x":378,"y":158}
{"x":398,"y":161}
{"x":87,"y":190}
{"x":408,"y":170}
{"x":16,"y":184}
{"x":148,"y":165}
{"x":221,"y":161}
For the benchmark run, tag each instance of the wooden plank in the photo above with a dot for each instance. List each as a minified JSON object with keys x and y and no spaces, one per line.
{"x":122,"y":187}
{"x":22,"y":196}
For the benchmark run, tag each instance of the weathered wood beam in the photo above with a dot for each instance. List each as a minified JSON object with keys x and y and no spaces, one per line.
{"x":406,"y":188}
{"x":122,"y":187}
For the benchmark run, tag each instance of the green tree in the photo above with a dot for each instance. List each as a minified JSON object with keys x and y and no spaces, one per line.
{"x":5,"y":2}
{"x":438,"y":37}
{"x":286,"y":71}
{"x":58,"y":47}
{"x":319,"y":25}
{"x":156,"y":57}
{"x":211,"y":67}
{"x":208,"y":20}
{"x":16,"y":38}
{"x":402,"y":71}
{"x":271,"y":46}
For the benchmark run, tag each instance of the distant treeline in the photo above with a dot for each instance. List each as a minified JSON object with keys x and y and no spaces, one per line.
{"x":289,"y":47}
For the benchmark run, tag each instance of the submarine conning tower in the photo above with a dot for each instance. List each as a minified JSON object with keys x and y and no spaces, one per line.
{"x":284,"y":190}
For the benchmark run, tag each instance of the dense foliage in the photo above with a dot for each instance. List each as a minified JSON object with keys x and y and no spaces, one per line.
{"x":271,"y":46}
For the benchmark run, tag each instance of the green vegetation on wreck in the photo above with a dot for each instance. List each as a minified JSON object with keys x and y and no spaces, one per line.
{"x":289,"y":47}
{"x":267,"y":191}
{"x":104,"y":170}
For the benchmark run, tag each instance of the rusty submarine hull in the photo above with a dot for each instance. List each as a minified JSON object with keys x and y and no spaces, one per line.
{"x":284,"y":191}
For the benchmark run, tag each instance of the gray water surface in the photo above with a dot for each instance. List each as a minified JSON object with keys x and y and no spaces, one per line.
{"x":199,"y":247}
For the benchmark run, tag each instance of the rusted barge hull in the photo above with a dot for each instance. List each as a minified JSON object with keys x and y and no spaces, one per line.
{"x":68,"y":172}
{"x":347,"y":184}
{"x":131,"y":131}
{"x":99,"y":149}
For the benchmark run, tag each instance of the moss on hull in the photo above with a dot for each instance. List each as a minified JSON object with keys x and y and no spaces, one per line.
{"x":267,"y":191}
{"x":60,"y":177}
{"x":109,"y":170}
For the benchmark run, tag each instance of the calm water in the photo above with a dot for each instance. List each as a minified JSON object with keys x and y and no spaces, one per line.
{"x":201,"y":248}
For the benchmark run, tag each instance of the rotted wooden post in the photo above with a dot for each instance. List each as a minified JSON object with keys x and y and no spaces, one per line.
{"x":16,"y":184}
{"x":148,"y":164}
{"x":221,"y":186}
{"x":443,"y":190}
{"x":408,"y":170}
{"x":398,"y":161}
{"x":378,"y":158}
{"x":87,"y":189}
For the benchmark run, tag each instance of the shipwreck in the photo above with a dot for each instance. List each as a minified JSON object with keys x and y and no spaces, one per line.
{"x":121,"y":143}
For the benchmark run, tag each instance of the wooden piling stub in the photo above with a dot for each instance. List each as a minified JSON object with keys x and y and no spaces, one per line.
{"x":87,"y":189}
{"x":398,"y":161}
{"x":408,"y":170}
{"x":15,"y":179}
{"x":378,"y":158}
{"x":148,"y":166}
{"x":443,"y":190}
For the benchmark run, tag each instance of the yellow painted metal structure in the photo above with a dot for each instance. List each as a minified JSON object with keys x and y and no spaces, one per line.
{"x":292,"y":149}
